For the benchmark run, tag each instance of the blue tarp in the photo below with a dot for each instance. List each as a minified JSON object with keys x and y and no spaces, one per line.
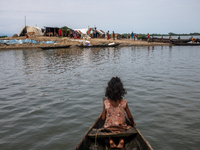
{"x":23,"y":41}
{"x":47,"y":42}
{"x":17,"y":41}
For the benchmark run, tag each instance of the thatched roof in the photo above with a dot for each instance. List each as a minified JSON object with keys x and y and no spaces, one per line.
{"x":27,"y":29}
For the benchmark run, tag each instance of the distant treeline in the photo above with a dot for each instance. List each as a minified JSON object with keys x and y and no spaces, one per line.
{"x":175,"y":34}
{"x":140,"y":35}
{"x":3,"y":36}
{"x":169,"y":34}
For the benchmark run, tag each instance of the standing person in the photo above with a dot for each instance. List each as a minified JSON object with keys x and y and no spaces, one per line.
{"x":113,"y":35}
{"x":132,"y":34}
{"x":97,"y":34}
{"x":129,"y":36}
{"x":152,"y":38}
{"x":108,"y":36}
{"x":114,"y":109}
{"x":59,"y":32}
{"x":148,"y":38}
{"x":170,"y":41}
{"x":192,"y":39}
{"x":94,"y":32}
{"x":179,"y":37}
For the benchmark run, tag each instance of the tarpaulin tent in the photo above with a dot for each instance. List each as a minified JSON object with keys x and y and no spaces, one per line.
{"x":33,"y":30}
{"x":83,"y":31}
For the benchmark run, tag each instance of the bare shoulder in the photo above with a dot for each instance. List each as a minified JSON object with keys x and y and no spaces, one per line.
{"x":124,"y":101}
{"x":106,"y":101}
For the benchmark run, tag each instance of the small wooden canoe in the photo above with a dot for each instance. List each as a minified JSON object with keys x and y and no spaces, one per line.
{"x":55,"y":47}
{"x":85,"y":46}
{"x":94,"y":139}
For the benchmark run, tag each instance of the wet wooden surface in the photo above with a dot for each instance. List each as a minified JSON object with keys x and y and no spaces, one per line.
{"x":102,"y":134}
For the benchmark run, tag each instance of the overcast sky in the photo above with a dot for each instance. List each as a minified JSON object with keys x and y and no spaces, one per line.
{"x":121,"y":16}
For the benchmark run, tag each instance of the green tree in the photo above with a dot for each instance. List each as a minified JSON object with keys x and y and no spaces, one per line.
{"x":66,"y":30}
{"x":171,"y":33}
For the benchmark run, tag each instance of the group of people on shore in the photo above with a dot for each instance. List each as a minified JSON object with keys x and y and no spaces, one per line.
{"x":130,"y":36}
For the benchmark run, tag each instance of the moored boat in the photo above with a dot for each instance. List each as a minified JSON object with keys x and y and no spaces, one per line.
{"x":55,"y":47}
{"x":94,"y":139}
{"x":187,"y":44}
{"x":166,"y":40}
{"x":106,"y":45}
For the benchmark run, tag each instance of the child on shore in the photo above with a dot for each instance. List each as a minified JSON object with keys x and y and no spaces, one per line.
{"x":114,"y":109}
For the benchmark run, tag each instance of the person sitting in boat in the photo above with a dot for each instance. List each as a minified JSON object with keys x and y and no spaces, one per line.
{"x":114,"y":109}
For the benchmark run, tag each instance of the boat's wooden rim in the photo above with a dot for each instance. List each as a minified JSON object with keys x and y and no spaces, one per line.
{"x":86,"y":134}
{"x":143,"y":138}
{"x":93,"y":133}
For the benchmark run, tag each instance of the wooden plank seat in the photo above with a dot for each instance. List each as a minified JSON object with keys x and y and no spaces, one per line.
{"x":102,"y":134}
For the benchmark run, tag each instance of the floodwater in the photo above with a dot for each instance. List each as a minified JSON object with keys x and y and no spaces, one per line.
{"x":49,"y":99}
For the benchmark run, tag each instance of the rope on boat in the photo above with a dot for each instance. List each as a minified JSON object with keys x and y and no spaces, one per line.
{"x":98,"y":130}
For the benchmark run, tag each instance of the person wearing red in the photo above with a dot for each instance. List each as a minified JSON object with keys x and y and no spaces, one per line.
{"x":108,"y":36}
{"x":59,"y":32}
{"x":148,"y":37}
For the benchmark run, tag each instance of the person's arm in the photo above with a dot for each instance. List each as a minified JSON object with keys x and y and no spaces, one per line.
{"x":130,"y":116}
{"x":104,"y":112}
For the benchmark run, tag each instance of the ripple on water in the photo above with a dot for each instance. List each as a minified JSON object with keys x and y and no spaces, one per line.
{"x":49,"y":99}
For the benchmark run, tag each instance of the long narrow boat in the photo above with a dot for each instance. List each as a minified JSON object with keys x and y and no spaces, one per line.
{"x":187,"y":44}
{"x":55,"y":47}
{"x":85,"y":46}
{"x":94,"y":139}
{"x":166,"y":40}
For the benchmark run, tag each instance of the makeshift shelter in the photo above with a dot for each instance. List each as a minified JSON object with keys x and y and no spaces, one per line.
{"x":83,"y":31}
{"x":51,"y":31}
{"x":101,"y":34}
{"x":30,"y":31}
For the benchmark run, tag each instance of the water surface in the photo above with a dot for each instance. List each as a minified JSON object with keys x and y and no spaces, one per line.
{"x":49,"y":99}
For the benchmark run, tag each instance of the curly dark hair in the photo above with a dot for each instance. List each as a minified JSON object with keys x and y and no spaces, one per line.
{"x":115,"y":89}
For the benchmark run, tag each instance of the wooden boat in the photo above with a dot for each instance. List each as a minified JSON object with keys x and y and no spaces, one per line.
{"x":166,"y":40}
{"x":55,"y":47}
{"x":85,"y":46}
{"x":180,"y":40}
{"x":94,"y":139}
{"x":187,"y":44}
{"x":197,"y":40}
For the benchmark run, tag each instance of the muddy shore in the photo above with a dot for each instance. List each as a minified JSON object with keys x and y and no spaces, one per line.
{"x":61,"y":41}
